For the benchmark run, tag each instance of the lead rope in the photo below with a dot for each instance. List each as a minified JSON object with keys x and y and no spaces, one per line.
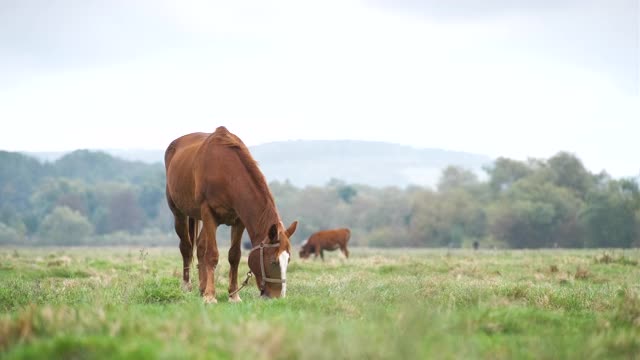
{"x":244,"y":283}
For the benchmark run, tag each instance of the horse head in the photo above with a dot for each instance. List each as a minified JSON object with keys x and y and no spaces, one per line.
{"x":269,"y":260}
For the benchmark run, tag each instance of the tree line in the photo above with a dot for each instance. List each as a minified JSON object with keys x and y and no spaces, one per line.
{"x":92,"y":198}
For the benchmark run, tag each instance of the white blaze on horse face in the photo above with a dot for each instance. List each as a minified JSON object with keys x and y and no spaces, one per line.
{"x":284,"y":261}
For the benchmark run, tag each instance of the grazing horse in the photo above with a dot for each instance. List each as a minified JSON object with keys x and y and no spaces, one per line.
{"x":213,"y":179}
{"x":326,"y":240}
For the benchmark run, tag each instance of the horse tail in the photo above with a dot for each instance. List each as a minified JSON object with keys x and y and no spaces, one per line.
{"x":193,"y":230}
{"x":197,"y":231}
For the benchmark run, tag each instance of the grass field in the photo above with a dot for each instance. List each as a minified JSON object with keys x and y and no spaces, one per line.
{"x":402,"y":304}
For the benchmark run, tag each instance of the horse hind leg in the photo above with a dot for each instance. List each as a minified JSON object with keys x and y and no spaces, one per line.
{"x":207,"y":250}
{"x":235,"y":253}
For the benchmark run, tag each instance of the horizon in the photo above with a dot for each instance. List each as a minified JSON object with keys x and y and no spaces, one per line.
{"x":253,"y":145}
{"x":117,"y":152}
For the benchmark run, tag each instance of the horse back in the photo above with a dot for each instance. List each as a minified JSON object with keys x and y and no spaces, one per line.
{"x":211,"y":167}
{"x":184,"y":144}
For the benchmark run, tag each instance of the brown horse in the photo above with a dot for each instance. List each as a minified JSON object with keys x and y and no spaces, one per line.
{"x":213,"y":178}
{"x":326,"y":240}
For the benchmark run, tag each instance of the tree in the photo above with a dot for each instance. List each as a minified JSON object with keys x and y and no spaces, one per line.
{"x":505,"y":172}
{"x":346,"y":193}
{"x":455,"y":177}
{"x":124,"y":213}
{"x":150,"y":195}
{"x":59,"y":192}
{"x":568,"y":171}
{"x":534,"y":213}
{"x":611,"y":215}
{"x":64,"y":226}
{"x":96,"y":166}
{"x":115,"y":207}
{"x":444,"y":219}
{"x":19,"y":174}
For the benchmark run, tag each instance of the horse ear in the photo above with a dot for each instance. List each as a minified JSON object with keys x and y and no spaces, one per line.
{"x":292,"y":228}
{"x":273,"y":233}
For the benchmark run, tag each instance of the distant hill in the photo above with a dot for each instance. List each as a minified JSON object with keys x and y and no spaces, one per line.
{"x":370,"y":163}
{"x":305,"y":162}
{"x":146,"y":156}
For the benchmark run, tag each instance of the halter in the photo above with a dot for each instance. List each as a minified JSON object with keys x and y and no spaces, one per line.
{"x":264,"y":279}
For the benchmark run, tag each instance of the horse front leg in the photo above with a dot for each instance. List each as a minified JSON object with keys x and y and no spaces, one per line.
{"x":235,"y":253}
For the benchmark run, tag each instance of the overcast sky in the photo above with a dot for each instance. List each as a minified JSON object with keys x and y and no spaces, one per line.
{"x":508,"y":78}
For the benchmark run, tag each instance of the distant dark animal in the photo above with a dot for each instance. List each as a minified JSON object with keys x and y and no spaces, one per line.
{"x":246,"y":245}
{"x":476,"y":245}
{"x":326,"y":240}
{"x":212,"y":178}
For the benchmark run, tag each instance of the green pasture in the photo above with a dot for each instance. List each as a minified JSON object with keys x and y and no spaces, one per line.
{"x":111,"y":303}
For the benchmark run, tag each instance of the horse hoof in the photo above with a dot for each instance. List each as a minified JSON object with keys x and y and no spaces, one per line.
{"x":235,"y":299}
{"x":186,"y":286}
{"x":208,"y":299}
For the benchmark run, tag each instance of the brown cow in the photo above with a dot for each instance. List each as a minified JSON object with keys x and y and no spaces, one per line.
{"x":212,"y":178}
{"x":326,"y":240}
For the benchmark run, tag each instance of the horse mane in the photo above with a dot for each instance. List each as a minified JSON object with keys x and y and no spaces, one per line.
{"x":224,"y":137}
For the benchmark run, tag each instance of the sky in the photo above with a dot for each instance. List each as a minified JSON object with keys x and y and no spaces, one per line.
{"x":512,"y":78}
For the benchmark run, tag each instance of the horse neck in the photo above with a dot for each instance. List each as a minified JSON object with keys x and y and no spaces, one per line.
{"x":257,"y":213}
